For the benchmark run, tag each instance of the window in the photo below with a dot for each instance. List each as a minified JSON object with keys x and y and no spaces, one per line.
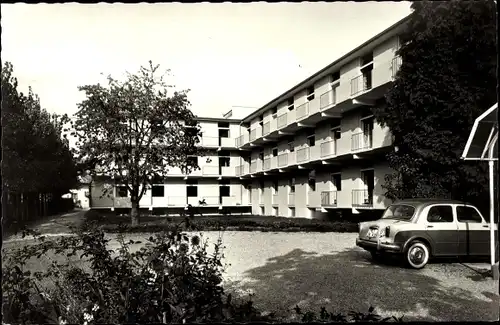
{"x":337,"y":182}
{"x":158,"y":191}
{"x":291,"y":184}
{"x":275,"y":187}
{"x":274,"y":111}
{"x":440,"y":213}
{"x":261,"y":185}
{"x":192,"y":188}
{"x":192,"y":161}
{"x":224,"y":125}
{"x":291,"y":146}
{"x":121,"y":191}
{"x":290,"y":104}
{"x":223,"y":133}
{"x":468,"y":214}
{"x":261,"y":120}
{"x":224,"y":191}
{"x":275,"y":152}
{"x":224,"y":161}
{"x":261,"y":155}
{"x":311,"y":138}
{"x":312,"y":184}
{"x":156,"y":126}
{"x":310,"y":93}
{"x":399,"y":212}
{"x":335,"y":77}
{"x":367,"y":59}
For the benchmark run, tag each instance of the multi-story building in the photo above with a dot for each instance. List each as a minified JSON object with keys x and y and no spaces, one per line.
{"x":314,"y":150}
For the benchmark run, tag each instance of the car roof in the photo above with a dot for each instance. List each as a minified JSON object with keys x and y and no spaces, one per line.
{"x":428,"y":201}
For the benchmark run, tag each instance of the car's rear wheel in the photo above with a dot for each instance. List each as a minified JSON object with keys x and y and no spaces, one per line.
{"x":417,"y":255}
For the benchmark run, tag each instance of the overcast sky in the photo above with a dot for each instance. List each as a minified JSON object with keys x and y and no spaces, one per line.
{"x":227,"y":54}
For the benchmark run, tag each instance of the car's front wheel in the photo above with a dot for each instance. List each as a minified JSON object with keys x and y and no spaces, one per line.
{"x":417,"y":255}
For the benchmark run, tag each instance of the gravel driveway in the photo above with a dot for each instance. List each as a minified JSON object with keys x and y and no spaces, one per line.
{"x":327,"y":269}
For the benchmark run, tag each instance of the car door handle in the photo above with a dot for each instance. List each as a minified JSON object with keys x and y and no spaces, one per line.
{"x":430,"y":226}
{"x":486,"y":226}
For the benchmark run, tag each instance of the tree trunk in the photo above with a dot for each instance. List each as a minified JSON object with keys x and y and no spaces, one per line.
{"x":134,"y":212}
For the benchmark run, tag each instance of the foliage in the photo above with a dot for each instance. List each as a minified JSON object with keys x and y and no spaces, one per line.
{"x":446,"y":80}
{"x":171,"y":279}
{"x":115,"y":223}
{"x":35,"y":152}
{"x":326,"y":316}
{"x":136,"y":130}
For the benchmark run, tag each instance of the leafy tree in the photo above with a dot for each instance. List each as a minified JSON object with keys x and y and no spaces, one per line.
{"x":447,"y":79}
{"x":135,"y":131}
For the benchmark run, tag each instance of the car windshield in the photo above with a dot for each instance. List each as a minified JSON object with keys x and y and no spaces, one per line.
{"x":399,"y":212}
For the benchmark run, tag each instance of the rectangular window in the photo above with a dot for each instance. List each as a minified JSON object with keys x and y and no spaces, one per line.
{"x":224,"y":191}
{"x":223,"y":133}
{"x":440,"y":213}
{"x":310,"y":93}
{"x":121,"y":191}
{"x":275,"y":152}
{"x":336,"y":182}
{"x":261,"y":155}
{"x":223,"y":125}
{"x":158,"y":191}
{"x":192,"y":191}
{"x":468,"y":214}
{"x":312,"y":184}
{"x":275,"y":187}
{"x":274,"y":111}
{"x":192,"y":161}
{"x":335,"y":77}
{"x":311,"y":138}
{"x":291,"y":184}
{"x":290,"y":103}
{"x":291,"y":146}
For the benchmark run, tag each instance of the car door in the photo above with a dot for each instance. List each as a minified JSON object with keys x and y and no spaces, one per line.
{"x":474,"y":233}
{"x":442,"y":229}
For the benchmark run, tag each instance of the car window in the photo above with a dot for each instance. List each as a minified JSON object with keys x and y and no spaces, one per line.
{"x":399,"y":212}
{"x":468,"y":214}
{"x":440,"y":213}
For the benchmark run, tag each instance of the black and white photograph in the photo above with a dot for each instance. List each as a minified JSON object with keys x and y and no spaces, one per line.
{"x":241,"y":162}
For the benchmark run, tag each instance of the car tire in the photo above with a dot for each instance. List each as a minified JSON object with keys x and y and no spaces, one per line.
{"x":417,"y":255}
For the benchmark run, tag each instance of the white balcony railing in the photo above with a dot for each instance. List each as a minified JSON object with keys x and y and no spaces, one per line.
{"x":210,"y":200}
{"x":238,"y":170}
{"x":207,"y":141}
{"x":231,"y":201}
{"x":241,"y":140}
{"x":275,"y":199}
{"x":267,"y":163}
{"x":395,"y":65}
{"x":266,"y":129}
{"x":226,"y":142}
{"x":210,"y":170}
{"x":328,"y":148}
{"x":302,"y":111}
{"x":361,"y":141}
{"x":283,"y":159}
{"x":362,"y":198}
{"x":327,"y":99}
{"x":227,"y":171}
{"x":329,"y":198}
{"x":282,"y":121}
{"x":255,"y":133}
{"x":361,"y":83}
{"x":176,"y":201}
{"x":303,"y":155}
{"x":291,"y":199}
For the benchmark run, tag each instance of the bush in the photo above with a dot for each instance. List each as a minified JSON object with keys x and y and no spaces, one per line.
{"x":171,"y":279}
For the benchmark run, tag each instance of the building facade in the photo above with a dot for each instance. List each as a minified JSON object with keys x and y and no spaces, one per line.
{"x":313,"y":151}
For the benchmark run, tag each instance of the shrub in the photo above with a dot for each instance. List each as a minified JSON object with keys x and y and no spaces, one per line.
{"x":326,"y":316}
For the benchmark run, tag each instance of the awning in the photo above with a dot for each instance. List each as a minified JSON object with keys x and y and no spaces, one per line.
{"x":484,"y":134}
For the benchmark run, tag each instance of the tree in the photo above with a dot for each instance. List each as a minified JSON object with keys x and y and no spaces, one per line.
{"x":446,"y":80}
{"x":135,"y":131}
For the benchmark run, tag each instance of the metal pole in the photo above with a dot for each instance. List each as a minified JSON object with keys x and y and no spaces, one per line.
{"x":491,"y":162}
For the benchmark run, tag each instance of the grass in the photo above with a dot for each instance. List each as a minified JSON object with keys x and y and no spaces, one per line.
{"x":150,"y":223}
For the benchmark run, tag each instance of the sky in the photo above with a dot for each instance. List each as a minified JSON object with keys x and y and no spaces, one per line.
{"x":226,"y":54}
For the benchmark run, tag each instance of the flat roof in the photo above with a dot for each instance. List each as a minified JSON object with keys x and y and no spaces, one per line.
{"x":317,"y":74}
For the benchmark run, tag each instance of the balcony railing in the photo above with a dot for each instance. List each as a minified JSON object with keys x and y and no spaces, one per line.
{"x":226,"y":142}
{"x":208,"y":141}
{"x":302,"y":111}
{"x":255,"y":133}
{"x":267,"y":163}
{"x":283,"y":159}
{"x":328,"y":148}
{"x":266,"y":129}
{"x":329,"y":198}
{"x":227,"y":171}
{"x":230,"y":201}
{"x":253,"y":166}
{"x":361,"y":83}
{"x":303,"y":155}
{"x":361,"y":141}
{"x":327,"y":99}
{"x":238,"y":170}
{"x":240,"y":141}
{"x":362,"y":198}
{"x":176,"y":200}
{"x":291,"y":199}
{"x":282,"y":122}
{"x":275,"y":199}
{"x":210,"y":170}
{"x":210,"y":200}
{"x":396,"y":64}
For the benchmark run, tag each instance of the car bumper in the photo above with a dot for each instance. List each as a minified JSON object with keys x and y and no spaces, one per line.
{"x":378,"y":246}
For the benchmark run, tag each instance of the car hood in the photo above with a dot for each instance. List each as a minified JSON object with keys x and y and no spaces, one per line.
{"x":382,"y":223}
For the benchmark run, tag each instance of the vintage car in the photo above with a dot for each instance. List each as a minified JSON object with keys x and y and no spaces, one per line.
{"x":419,"y":229}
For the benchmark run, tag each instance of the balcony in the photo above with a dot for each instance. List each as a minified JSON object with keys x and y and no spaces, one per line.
{"x":276,"y":200}
{"x":329,"y":198}
{"x":210,"y":200}
{"x":210,"y":170}
{"x":241,"y":141}
{"x":227,"y":171}
{"x":282,"y":121}
{"x":395,"y":65}
{"x":303,"y":155}
{"x":207,"y":141}
{"x":226,"y":142}
{"x":328,"y":149}
{"x":266,"y":128}
{"x":176,"y":201}
{"x":361,"y":141}
{"x":302,"y":111}
{"x":313,"y":199}
{"x":327,"y":99}
{"x":267,"y":163}
{"x":253,"y":166}
{"x":361,"y":83}
{"x":255,"y":133}
{"x":362,"y":198}
{"x":291,"y":199}
{"x":231,"y":201}
{"x":283,"y":159}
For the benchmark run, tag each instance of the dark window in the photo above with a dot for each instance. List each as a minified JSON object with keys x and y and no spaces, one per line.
{"x":192,"y":161}
{"x":367,"y":59}
{"x":337,"y":182}
{"x":275,"y":186}
{"x":291,"y":146}
{"x":468,"y":214}
{"x":291,"y":183}
{"x":440,"y":213}
{"x":261,"y":183}
{"x":274,"y":110}
{"x":310,"y":93}
{"x":224,"y":161}
{"x":275,"y":152}
{"x":312,"y":184}
{"x":223,"y":125}
{"x":192,"y":191}
{"x":158,"y":191}
{"x":224,"y":191}
{"x":311,"y":140}
{"x":261,"y":155}
{"x":223,"y":133}
{"x":290,"y":104}
{"x":335,"y":76}
{"x":121,"y":191}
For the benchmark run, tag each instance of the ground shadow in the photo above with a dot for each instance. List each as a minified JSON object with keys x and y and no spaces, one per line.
{"x":351,"y":280}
